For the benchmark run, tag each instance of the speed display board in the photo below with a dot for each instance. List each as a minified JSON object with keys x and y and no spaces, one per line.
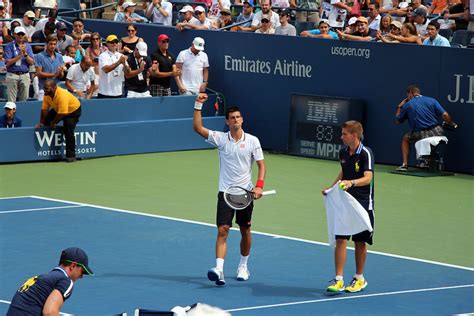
{"x":315,"y":124}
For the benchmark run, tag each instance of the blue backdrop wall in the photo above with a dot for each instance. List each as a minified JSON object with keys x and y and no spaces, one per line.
{"x":257,"y":73}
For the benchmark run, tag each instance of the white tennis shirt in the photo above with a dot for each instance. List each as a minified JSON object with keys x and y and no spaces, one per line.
{"x":235,"y":158}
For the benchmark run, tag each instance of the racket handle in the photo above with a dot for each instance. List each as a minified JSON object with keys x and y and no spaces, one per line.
{"x":269,"y":192}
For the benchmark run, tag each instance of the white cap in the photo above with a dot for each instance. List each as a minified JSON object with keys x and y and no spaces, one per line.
{"x":199,"y":9}
{"x":128,"y":4}
{"x":198,"y":43}
{"x":187,"y":8}
{"x":20,"y":29}
{"x":10,"y":105}
{"x":142,"y":48}
{"x":352,"y":20}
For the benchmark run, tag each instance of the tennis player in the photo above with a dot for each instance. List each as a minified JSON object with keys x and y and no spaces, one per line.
{"x":237,"y":151}
{"x":45,"y":294}
{"x":356,"y":175}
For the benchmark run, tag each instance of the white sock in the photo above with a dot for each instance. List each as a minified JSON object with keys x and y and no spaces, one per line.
{"x":339,"y":277}
{"x":359,"y":276}
{"x":243,"y":260}
{"x":220,"y":264}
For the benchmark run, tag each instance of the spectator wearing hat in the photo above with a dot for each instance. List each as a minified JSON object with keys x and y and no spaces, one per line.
{"x":18,"y":59}
{"x":336,"y":12}
{"x":434,"y":39}
{"x":9,"y":119}
{"x":163,"y":68}
{"x":202,"y":22}
{"x":395,"y":30}
{"x":49,"y":64}
{"x":27,"y":23}
{"x":80,"y":79}
{"x":9,"y":31}
{"x":137,"y":72}
{"x":323,"y":31}
{"x":246,"y":15}
{"x":64,"y":40}
{"x":194,"y":66}
{"x":285,"y":27}
{"x":362,"y":33}
{"x":216,"y":7}
{"x":351,"y":25}
{"x":266,"y":26}
{"x":40,"y":36}
{"x":46,"y":293}
{"x":160,"y":12}
{"x":408,"y":34}
{"x":266,"y":9}
{"x":421,"y":21}
{"x":225,"y":19}
{"x":187,"y":17}
{"x":128,"y":15}
{"x":111,"y":64}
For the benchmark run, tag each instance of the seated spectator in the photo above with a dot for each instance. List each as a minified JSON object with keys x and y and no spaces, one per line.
{"x":187,"y":15}
{"x":27,"y":23}
{"x":49,"y":64}
{"x":128,"y":15}
{"x":160,"y":12}
{"x":245,"y":15}
{"x":351,"y":26}
{"x":265,"y":26}
{"x":128,"y":43}
{"x":362,"y":33}
{"x":202,"y":22}
{"x":137,"y":71}
{"x":374,"y":16}
{"x":9,"y":31}
{"x":69,"y":57}
{"x":52,"y":17}
{"x":78,"y":29}
{"x":407,"y":35}
{"x":421,"y":21}
{"x":409,"y":17}
{"x":64,"y":40}
{"x":266,"y":9}
{"x":163,"y":68}
{"x":111,"y":64}
{"x":434,"y":39}
{"x":216,"y":7}
{"x":322,"y":32}
{"x":3,"y":67}
{"x":285,"y":27}
{"x":385,"y":24}
{"x":18,"y":59}
{"x":225,"y":19}
{"x":94,"y":50}
{"x":9,"y":119}
{"x":395,"y":30}
{"x":80,"y":51}
{"x":40,"y":36}
{"x":80,"y":79}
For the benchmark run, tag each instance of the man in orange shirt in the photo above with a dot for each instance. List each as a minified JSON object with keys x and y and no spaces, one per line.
{"x":61,"y":105}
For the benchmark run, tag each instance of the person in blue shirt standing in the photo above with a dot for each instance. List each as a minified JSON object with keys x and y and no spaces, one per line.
{"x":424,"y":115}
{"x":45,"y":294}
{"x":9,"y":120}
{"x":18,"y":59}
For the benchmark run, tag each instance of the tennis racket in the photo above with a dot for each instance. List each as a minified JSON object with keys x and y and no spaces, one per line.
{"x":239,"y":198}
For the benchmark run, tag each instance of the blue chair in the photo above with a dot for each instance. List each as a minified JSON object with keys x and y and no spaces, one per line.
{"x":460,"y":37}
{"x":303,"y":26}
{"x":446,"y":33}
{"x":69,"y":5}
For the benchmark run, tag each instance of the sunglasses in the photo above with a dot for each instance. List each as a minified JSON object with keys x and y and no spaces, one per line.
{"x":199,"y":13}
{"x":96,"y":39}
{"x":165,"y":41}
{"x":131,"y":30}
{"x":265,"y":21}
{"x":225,"y":13}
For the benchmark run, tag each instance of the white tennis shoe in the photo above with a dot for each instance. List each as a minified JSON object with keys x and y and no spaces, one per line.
{"x":243,"y":273}
{"x":216,"y":275}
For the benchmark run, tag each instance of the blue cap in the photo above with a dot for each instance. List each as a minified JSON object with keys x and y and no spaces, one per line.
{"x":78,"y":256}
{"x":250,"y":2}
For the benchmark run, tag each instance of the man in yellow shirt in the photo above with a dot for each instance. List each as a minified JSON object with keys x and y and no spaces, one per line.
{"x":60,"y":105}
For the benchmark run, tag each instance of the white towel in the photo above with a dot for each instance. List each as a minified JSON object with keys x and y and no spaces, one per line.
{"x":345,"y":216}
{"x":423,"y":146}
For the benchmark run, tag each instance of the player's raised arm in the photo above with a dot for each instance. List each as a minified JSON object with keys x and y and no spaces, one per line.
{"x":197,"y":118}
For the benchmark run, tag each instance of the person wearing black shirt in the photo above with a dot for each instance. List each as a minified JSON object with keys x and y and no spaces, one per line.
{"x":163,"y":68}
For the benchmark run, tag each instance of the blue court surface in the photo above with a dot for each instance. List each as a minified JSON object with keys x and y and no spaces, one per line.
{"x":146,"y":261}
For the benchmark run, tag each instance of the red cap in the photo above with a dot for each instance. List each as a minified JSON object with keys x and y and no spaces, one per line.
{"x":163,"y":37}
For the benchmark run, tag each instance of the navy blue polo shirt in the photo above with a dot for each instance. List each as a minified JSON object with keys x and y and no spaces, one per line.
{"x":29,"y":299}
{"x":353,"y":167}
{"x":422,"y":113}
{"x":4,"y":122}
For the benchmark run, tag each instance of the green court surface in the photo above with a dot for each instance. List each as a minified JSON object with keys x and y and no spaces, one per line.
{"x":430,"y":218}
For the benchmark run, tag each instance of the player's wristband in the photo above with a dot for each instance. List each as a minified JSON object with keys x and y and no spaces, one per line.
{"x":198,"y":106}
{"x":260,"y":184}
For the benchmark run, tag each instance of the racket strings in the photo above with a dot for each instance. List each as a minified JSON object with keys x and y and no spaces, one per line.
{"x":238,"y":198}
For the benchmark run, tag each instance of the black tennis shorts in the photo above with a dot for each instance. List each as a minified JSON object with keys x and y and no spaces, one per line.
{"x":364,"y":236}
{"x":225,"y":214}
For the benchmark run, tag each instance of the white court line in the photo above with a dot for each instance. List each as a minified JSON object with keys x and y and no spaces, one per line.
{"x":8,"y":302}
{"x":14,"y":197}
{"x":39,"y":209}
{"x":350,"y":297}
{"x":254,"y":232}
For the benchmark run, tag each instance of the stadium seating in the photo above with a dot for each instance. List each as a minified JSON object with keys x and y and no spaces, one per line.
{"x":303,"y":26}
{"x":462,"y":37}
{"x":447,"y":33}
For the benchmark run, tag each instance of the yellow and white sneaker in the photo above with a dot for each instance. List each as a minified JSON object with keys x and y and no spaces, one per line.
{"x":336,"y":286}
{"x":357,"y":285}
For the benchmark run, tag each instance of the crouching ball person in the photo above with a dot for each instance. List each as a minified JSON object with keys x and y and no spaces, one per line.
{"x":237,"y":152}
{"x":356,"y":176}
{"x":46,"y":293}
